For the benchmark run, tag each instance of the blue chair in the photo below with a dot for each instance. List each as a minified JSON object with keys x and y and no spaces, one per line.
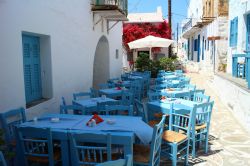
{"x":137,"y":89}
{"x":2,"y":160}
{"x":119,"y":110}
{"x":120,"y":162}
{"x":9,"y":120}
{"x":154,"y":96}
{"x":199,"y":91}
{"x":106,"y":86}
{"x":150,"y":155}
{"x":94,"y":93}
{"x":112,"y":80}
{"x":176,"y":143}
{"x":201,"y":98}
{"x":141,"y":111}
{"x":160,"y":87}
{"x":89,"y":148}
{"x":101,"y":105}
{"x":202,"y":124}
{"x":127,"y":98}
{"x":75,"y":109}
{"x":36,"y":145}
{"x":77,"y":96}
{"x":63,"y":101}
{"x":182,"y":95}
{"x":190,"y":87}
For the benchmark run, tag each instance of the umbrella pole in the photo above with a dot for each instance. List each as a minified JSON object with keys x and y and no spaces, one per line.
{"x":150,"y":53}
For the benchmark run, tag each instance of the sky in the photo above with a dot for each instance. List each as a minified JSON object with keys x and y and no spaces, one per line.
{"x":179,"y":9}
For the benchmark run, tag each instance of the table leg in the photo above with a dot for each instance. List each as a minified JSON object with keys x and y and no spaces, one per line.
{"x":65,"y":152}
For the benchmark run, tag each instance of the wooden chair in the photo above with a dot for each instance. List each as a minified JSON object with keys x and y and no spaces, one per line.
{"x":154,"y":96}
{"x":137,"y":89}
{"x":2,"y":160}
{"x":89,"y":148}
{"x":177,"y":138}
{"x":201,"y":98}
{"x":120,"y":162}
{"x":77,"y":96}
{"x":36,"y":146}
{"x":75,"y":109}
{"x":9,"y":120}
{"x":202,"y":124}
{"x":101,"y":106}
{"x":119,"y":110}
{"x":150,"y":155}
{"x":127,"y":98}
{"x":141,"y":111}
{"x":94,"y":93}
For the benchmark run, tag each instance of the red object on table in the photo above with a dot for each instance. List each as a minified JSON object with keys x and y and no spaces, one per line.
{"x":97,"y":119}
{"x":118,"y":88}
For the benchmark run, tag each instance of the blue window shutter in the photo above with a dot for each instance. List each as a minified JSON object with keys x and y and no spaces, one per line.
{"x":31,"y":66}
{"x":236,"y":31}
{"x":231,"y":33}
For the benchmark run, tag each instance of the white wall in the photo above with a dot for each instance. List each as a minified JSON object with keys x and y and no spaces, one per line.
{"x":236,"y":98}
{"x":69,"y":25}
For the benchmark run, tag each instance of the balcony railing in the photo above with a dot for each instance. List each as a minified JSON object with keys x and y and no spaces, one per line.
{"x":244,"y":69}
{"x":121,"y":5}
{"x":187,"y":26}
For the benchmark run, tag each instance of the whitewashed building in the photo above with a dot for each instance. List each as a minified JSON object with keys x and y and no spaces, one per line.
{"x":154,"y":18}
{"x":51,"y":49}
{"x":206,"y":33}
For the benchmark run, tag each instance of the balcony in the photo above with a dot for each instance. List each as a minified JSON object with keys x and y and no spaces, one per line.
{"x":190,"y":27}
{"x":112,"y":10}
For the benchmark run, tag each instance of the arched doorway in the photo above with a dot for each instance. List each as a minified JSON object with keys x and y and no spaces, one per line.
{"x":101,"y":62}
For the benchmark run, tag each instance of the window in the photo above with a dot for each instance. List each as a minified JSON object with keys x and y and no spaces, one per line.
{"x":37,"y":68}
{"x":233,"y":32}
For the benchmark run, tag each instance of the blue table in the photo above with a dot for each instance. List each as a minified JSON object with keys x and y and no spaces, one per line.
{"x":112,"y":92}
{"x":123,"y":84}
{"x":91,"y":103}
{"x":164,"y":106}
{"x":123,"y":132}
{"x":171,"y":92}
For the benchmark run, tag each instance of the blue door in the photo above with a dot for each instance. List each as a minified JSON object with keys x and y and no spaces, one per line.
{"x":198,"y":48}
{"x":31,"y":67}
{"x":248,"y":47}
{"x":203,"y":47}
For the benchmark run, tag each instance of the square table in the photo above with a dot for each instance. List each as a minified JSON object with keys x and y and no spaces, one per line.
{"x":163,"y":106}
{"x":111,"y":92}
{"x":122,"y":132}
{"x":91,"y":103}
{"x":172,"y":92}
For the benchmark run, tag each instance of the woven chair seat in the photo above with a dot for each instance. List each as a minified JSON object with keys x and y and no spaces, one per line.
{"x":199,"y":127}
{"x":172,"y":136}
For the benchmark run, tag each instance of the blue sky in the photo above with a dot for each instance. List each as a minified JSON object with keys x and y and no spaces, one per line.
{"x":179,"y":8}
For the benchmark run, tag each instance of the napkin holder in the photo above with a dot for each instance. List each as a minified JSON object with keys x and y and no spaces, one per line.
{"x":95,"y":119}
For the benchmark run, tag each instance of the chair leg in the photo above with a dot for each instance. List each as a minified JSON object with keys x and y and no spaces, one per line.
{"x":174,"y":160}
{"x":193,"y":146}
{"x":206,"y":144}
{"x":186,"y":158}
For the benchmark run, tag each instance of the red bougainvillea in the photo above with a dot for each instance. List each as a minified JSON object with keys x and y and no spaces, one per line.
{"x":134,"y":31}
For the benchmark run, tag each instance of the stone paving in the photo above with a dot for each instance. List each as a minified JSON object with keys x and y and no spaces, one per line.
{"x":229,"y":142}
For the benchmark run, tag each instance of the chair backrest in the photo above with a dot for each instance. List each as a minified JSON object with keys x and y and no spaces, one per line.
{"x":127,"y":98}
{"x":2,"y":159}
{"x":119,"y":110}
{"x":9,"y":120}
{"x":137,"y":89}
{"x":159,"y":87}
{"x":155,"y":148}
{"x":63,"y":101}
{"x":190,"y":87}
{"x":94,"y":93}
{"x":199,"y":91}
{"x":181,"y":117}
{"x":35,"y":142}
{"x":120,"y":162}
{"x":77,"y":96}
{"x":140,"y":110}
{"x":75,"y":109}
{"x":154,"y":96}
{"x":203,"y":114}
{"x":202,"y":98}
{"x":101,"y":105}
{"x":89,"y":148}
{"x":183,"y":95}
